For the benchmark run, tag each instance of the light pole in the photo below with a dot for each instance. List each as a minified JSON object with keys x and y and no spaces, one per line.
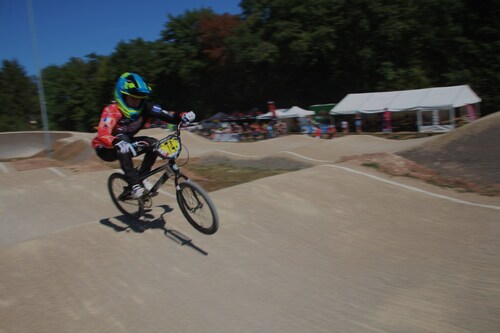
{"x":41,"y":93}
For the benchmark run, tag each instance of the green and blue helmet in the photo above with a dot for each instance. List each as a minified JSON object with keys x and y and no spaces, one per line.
{"x":133,"y":85}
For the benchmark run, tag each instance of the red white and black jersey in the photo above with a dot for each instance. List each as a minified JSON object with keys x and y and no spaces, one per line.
{"x":113,"y":123}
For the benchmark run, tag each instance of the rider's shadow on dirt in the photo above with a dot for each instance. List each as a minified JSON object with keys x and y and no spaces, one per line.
{"x":150,"y":222}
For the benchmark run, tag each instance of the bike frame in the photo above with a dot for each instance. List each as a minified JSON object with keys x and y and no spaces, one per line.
{"x":170,"y":167}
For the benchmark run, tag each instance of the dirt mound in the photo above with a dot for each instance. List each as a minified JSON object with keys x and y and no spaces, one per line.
{"x":25,"y":144}
{"x":395,"y":165}
{"x":466,"y":159}
{"x":471,"y":152}
{"x":73,"y":152}
{"x":75,"y":155}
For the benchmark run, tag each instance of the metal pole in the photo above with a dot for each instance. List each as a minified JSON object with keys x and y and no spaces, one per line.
{"x":41,"y":93}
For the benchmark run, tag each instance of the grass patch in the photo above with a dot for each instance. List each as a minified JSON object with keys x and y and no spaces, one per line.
{"x":218,"y":176}
{"x":373,"y":165}
{"x":215,"y":174}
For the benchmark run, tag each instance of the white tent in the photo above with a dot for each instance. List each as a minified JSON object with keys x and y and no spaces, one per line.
{"x":293,"y":112}
{"x":374,"y":102}
{"x":420,"y":100}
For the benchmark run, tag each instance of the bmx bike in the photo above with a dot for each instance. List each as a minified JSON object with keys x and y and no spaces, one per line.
{"x":193,"y":200}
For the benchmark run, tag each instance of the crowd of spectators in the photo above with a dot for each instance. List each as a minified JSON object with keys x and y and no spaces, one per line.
{"x":233,"y":132}
{"x":261,"y":130}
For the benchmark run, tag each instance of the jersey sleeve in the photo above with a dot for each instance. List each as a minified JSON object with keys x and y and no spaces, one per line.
{"x":157,"y":112}
{"x":105,"y":128}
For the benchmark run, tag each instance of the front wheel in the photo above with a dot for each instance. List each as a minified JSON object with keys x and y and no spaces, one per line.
{"x":120,"y":192}
{"x":197,"y":207}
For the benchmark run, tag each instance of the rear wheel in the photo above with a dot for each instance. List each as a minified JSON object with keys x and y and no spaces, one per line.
{"x":197,"y":207}
{"x":120,"y":192}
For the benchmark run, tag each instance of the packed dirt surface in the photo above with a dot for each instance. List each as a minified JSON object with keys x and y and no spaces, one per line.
{"x":337,"y":238}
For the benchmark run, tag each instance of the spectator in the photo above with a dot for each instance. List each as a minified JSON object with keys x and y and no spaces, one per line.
{"x":270,"y":131}
{"x":316,"y":132}
{"x":345,"y":127}
{"x":387,"y":121}
{"x":284,"y":128}
{"x":332,"y":131}
{"x":358,"y":122}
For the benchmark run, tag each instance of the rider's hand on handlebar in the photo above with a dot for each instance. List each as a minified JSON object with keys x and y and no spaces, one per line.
{"x":188,"y":117}
{"x":125,"y":147}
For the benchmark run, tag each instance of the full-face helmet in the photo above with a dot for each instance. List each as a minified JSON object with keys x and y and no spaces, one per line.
{"x":132,"y":85}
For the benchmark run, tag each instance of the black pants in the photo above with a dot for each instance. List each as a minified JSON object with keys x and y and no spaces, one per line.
{"x":126,"y":162}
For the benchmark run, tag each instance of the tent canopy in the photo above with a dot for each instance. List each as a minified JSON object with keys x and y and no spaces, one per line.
{"x":293,"y":112}
{"x":455,"y":96}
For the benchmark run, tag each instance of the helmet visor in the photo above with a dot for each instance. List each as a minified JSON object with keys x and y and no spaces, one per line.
{"x":136,"y":93}
{"x":133,"y":101}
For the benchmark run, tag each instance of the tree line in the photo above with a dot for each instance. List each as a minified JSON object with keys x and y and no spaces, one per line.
{"x":289,"y":51}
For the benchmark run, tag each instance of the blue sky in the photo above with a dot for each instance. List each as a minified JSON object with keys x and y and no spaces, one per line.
{"x":66,"y":28}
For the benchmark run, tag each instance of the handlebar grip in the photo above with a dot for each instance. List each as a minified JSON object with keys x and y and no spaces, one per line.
{"x":139,"y":145}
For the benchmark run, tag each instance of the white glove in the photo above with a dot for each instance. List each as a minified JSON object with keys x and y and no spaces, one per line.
{"x":188,"y":117}
{"x":125,"y":147}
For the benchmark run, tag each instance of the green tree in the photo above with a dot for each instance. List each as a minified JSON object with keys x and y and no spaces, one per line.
{"x":71,"y":93}
{"x":18,"y":98}
{"x":137,"y":56}
{"x":300,"y":41}
{"x":182,"y":61}
{"x":480,"y":51}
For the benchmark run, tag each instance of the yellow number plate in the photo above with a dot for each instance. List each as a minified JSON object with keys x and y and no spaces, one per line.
{"x":170,"y":146}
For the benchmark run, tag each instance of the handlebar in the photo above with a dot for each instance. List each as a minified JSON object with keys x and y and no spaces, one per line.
{"x":139,"y":146}
{"x":178,"y":127}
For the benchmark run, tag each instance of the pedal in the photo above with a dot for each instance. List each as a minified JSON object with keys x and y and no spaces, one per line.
{"x":148,"y":203}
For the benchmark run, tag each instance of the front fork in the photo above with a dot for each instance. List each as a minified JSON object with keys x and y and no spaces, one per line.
{"x":177,"y":174}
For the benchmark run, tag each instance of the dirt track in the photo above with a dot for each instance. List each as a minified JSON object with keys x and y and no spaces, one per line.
{"x":333,"y":248}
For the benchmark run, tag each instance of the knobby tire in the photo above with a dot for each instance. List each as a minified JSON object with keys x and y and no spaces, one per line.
{"x":197,"y":207}
{"x":120,"y":192}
